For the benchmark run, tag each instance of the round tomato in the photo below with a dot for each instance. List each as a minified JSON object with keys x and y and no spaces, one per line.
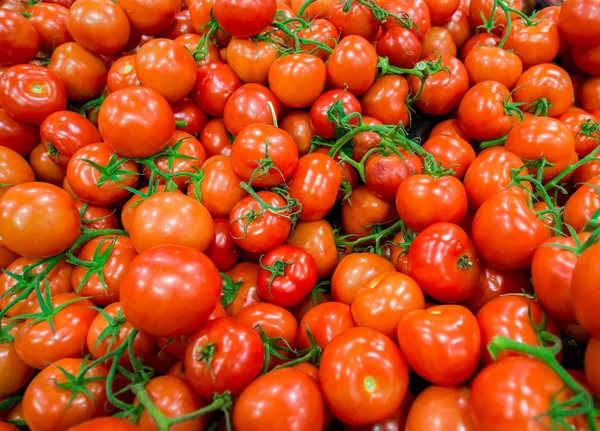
{"x":544,"y":86}
{"x":363,"y":210}
{"x":324,"y":321}
{"x":50,"y":22}
{"x":15,"y":373}
{"x":18,"y":136}
{"x":186,"y":110}
{"x":534,"y":44}
{"x":357,"y":20}
{"x":585,"y":297}
{"x":452,"y":152}
{"x":242,"y":18}
{"x":244,"y":275}
{"x":438,"y":40}
{"x":250,"y":104}
{"x":150,"y":17}
{"x":490,"y":63}
{"x":297,"y":124}
{"x":215,"y":84}
{"x":401,"y":47}
{"x":19,"y":39}
{"x":441,"y":408}
{"x":222,"y":250}
{"x":319,"y":117}
{"x":122,"y":74}
{"x":385,"y":100}
{"x":352,"y":65}
{"x":297,"y":80}
{"x":14,"y":170}
{"x":316,"y":237}
{"x":251,"y":60}
{"x":580,"y":23}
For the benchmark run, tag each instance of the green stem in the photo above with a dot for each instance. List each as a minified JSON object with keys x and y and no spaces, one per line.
{"x":591,"y":156}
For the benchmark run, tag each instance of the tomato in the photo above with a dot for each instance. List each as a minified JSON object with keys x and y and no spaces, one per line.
{"x":319,"y":119}
{"x":316,"y":237}
{"x":579,"y":22}
{"x":584,"y":297}
{"x":363,"y":376}
{"x":574,"y":120}
{"x":401,"y":47}
{"x":480,"y":10}
{"x":246,"y":274}
{"x":592,"y":355}
{"x":252,"y":60}
{"x":538,"y":137}
{"x":6,"y":256}
{"x":319,"y":30}
{"x":449,"y":127}
{"x":106,"y":34}
{"x":150,"y":17}
{"x":38,"y":343}
{"x":283,"y":399}
{"x":213,"y":348}
{"x":122,"y":74}
{"x":515,"y":394}
{"x":297,"y":124}
{"x":582,"y":205}
{"x":490,"y":174}
{"x":364,"y":141}
{"x":211,"y":53}
{"x":438,"y":40}
{"x":175,"y":284}
{"x":244,"y":19}
{"x":447,"y":334}
{"x":325,"y":321}
{"x":215,"y":138}
{"x":297,"y":80}
{"x":249,"y":104}
{"x":441,"y":408}
{"x":15,"y":373}
{"x":18,"y":136}
{"x":257,"y":143}
{"x":181,"y":24}
{"x":534,"y":44}
{"x":508,"y":315}
{"x":485,"y":62}
{"x":258,"y":230}
{"x":586,"y":172}
{"x":386,"y":100}
{"x":352,"y":65}
{"x":395,"y":422}
{"x":545,"y":81}
{"x":105,"y":423}
{"x":442,"y":92}
{"x":117,"y":252}
{"x":363,"y":211}
{"x":19,"y":39}
{"x":459,"y":28}
{"x":50,"y":23}
{"x":417,"y":11}
{"x":452,"y":152}
{"x":187,"y":111}
{"x":30,"y":93}
{"x":319,"y":8}
{"x":357,"y":20}
{"x":384,"y":173}
{"x":136,"y":122}
{"x":49,"y":406}
{"x":516,"y":234}
{"x":478,"y":40}
{"x":84,"y":177}
{"x":44,"y":167}
{"x":222,"y":250}
{"x":14,"y":170}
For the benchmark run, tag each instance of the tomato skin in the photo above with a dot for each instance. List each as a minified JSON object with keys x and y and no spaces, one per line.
{"x":314,"y":169}
{"x":30,"y":227}
{"x":50,"y":23}
{"x":245,"y":273}
{"x":14,"y":170}
{"x":252,"y":60}
{"x":247,"y":105}
{"x":105,"y":423}
{"x":516,"y":234}
{"x":15,"y":373}
{"x":485,"y":62}
{"x":438,"y":40}
{"x":297,"y":80}
{"x":459,"y":28}
{"x":182,"y":24}
{"x":592,"y":355}
{"x":133,"y":116}
{"x":47,"y":407}
{"x":284,"y":399}
{"x":222,"y":250}
{"x":191,"y":287}
{"x":30,"y":93}
{"x":582,"y":285}
{"x":374,"y":374}
{"x":534,"y":44}
{"x":352,"y":65}
{"x":449,"y":127}
{"x":574,"y":121}
{"x":68,"y":132}
{"x":499,"y":403}
{"x":233,"y":343}
{"x":83,"y":177}
{"x":18,"y":136}
{"x":318,"y":112}
{"x":363,"y":210}
{"x":385,"y":173}
{"x":320,"y":30}
{"x":401,"y":46}
{"x":440,"y":408}
{"x":383,"y":301}
{"x":358,"y":20}
{"x":385,"y":100}
{"x":44,"y":168}
{"x":325,"y":321}
{"x":122,"y":74}
{"x":476,"y":40}
{"x":579,"y":23}
{"x":187,"y":110}
{"x":452,"y":152}
{"x":244,"y":19}
{"x":19,"y":39}
{"x":482,"y":9}
{"x":417,"y":11}
{"x":215,"y":138}
{"x":316,"y":237}
{"x":298,"y":278}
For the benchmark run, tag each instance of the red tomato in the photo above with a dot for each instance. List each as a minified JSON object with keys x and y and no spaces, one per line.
{"x":438,"y":40}
{"x":216,"y":139}
{"x":490,"y":63}
{"x":417,"y":11}
{"x":14,"y":170}
{"x":320,"y":30}
{"x":244,"y":275}
{"x":324,"y":321}
{"x":478,"y":40}
{"x":178,"y":285}
{"x":452,"y":152}
{"x":357,"y":20}
{"x":386,"y":100}
{"x":592,"y":356}
{"x":247,"y":105}
{"x":182,"y":24}
{"x":222,"y":250}
{"x":584,"y":295}
{"x":122,"y":74}
{"x":441,"y":408}
{"x":16,"y":135}
{"x":363,"y":210}
{"x":150,"y":17}
{"x":44,"y":167}
{"x":297,"y":80}
{"x":244,"y":19}
{"x":15,"y":373}
{"x":534,"y":44}
{"x":480,"y":10}
{"x":50,"y":23}
{"x":316,"y":237}
{"x":579,"y":22}
{"x":574,"y":120}
{"x":319,"y":120}
{"x":297,"y":124}
{"x":105,"y":423}
{"x":401,"y":47}
{"x":19,"y":40}
{"x":449,"y":127}
{"x":352,"y":65}
{"x":252,"y":60}
{"x":187,"y":111}
{"x":459,"y":28}
{"x":384,"y":173}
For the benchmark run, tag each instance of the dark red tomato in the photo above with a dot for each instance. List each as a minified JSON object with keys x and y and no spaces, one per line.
{"x":363,"y":210}
{"x":136,"y":122}
{"x":579,"y":22}
{"x":117,"y":253}
{"x":150,"y":17}
{"x":459,"y":28}
{"x":16,"y":135}
{"x":509,"y":315}
{"x":385,"y":172}
{"x":319,"y":120}
{"x":222,"y":251}
{"x":297,"y":124}
{"x":487,"y":62}
{"x":181,"y":24}
{"x":84,"y":178}
{"x":320,"y":30}
{"x":443,"y":261}
{"x":401,"y":47}
{"x":438,"y":40}
{"x":324,"y":321}
{"x":440,"y":408}
{"x":314,"y":169}
{"x":386,"y":100}
{"x":30,"y":93}
{"x":194,"y":118}
{"x":67,"y":132}
{"x":251,"y":60}
{"x":49,"y":403}
{"x":357,"y":20}
{"x":418,"y":208}
{"x":257,"y":143}
{"x":477,"y":40}
{"x":516,"y":234}
{"x":39,"y":343}
{"x":250,"y":104}
{"x":215,"y":138}
{"x":447,"y":334}
{"x":286,"y":398}
{"x":213,"y":348}
{"x":297,"y":80}
{"x":166,"y":67}
{"x":483,"y":9}
{"x":452,"y":152}
{"x":363,"y":376}
{"x":545,"y":81}
{"x":50,"y":23}
{"x":190,"y":289}
{"x":364,"y":141}
{"x":244,"y":19}
{"x":109,"y":31}
{"x":417,"y":11}
{"x":83,"y":73}
{"x":19,"y":40}
{"x":585,"y":298}
{"x":352,"y":65}
{"x":122,"y":74}
{"x":534,"y":44}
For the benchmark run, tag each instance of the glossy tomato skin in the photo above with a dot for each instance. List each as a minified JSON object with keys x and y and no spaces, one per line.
{"x":363,"y":210}
{"x":358,"y":20}
{"x":574,"y":120}
{"x":452,"y":152}
{"x":106,"y":423}
{"x":319,"y":120}
{"x":222,"y":250}
{"x":515,"y":235}
{"x":352,"y":65}
{"x":401,"y":46}
{"x":441,"y":408}
{"x":44,"y":167}
{"x":136,"y":122}
{"x":584,"y":296}
{"x":150,"y":17}
{"x":30,"y":227}
{"x":68,"y":132}
{"x":249,"y":104}
{"x":438,"y":40}
{"x":490,"y":63}
{"x":195,"y":288}
{"x":15,"y":372}
{"x":252,"y":60}
{"x":18,"y":136}
{"x":316,"y":237}
{"x":374,"y":374}
{"x":298,"y":79}
{"x":581,"y":206}
{"x":186,"y":110}
{"x":385,"y":100}
{"x":14,"y":170}
{"x":385,"y":172}
{"x":19,"y":39}
{"x":215,"y":83}
{"x":417,"y":11}
{"x":246,"y":274}
{"x":324,"y":321}
{"x":122,"y":74}
{"x":237,"y":357}
{"x":579,"y":23}
{"x":30,"y":93}
{"x":321,"y":30}
{"x":444,"y":334}
{"x":534,"y":44}
{"x":244,"y":19}
{"x":290,"y":284}
{"x":284,"y":399}
{"x":592,"y":355}
{"x":50,"y":23}
{"x":297,"y":124}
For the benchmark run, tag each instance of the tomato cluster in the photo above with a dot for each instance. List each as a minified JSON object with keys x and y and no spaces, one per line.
{"x":295,"y":215}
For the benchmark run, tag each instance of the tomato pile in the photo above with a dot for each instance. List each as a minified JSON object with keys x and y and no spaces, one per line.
{"x":295,"y":215}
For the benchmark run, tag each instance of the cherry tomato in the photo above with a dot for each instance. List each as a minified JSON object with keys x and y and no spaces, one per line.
{"x":352,"y":65}
{"x":19,"y":39}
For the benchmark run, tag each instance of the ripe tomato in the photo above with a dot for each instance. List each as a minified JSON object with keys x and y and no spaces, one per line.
{"x":478,"y":40}
{"x":286,"y":398}
{"x":122,"y":74}
{"x":244,"y":19}
{"x":574,"y":120}
{"x":384,"y":172}
{"x":384,"y":300}
{"x":136,"y":122}
{"x":584,"y":296}
{"x":534,"y":44}
{"x":438,"y":40}
{"x":297,"y":124}
{"x":385,"y":100}
{"x":417,"y":11}
{"x":182,"y":24}
{"x":50,"y":23}
{"x":316,"y":237}
{"x":401,"y":47}
{"x":297,"y":80}
{"x":440,"y":408}
{"x":320,"y":30}
{"x":357,"y":20}
{"x":14,"y":170}
{"x":579,"y":22}
{"x":18,"y":136}
{"x":363,"y":211}
{"x":319,"y":119}
{"x":150,"y":17}
{"x":105,"y":423}
{"x":592,"y":356}
{"x":222,"y":250}
{"x":447,"y":334}
{"x":324,"y":321}
{"x":175,"y":284}
{"x":15,"y":373}
{"x":449,"y":127}
{"x":452,"y":152}
{"x":246,"y":275}
{"x":517,"y":232}
{"x":213,"y":348}
{"x":487,"y":62}
{"x":44,"y":167}
{"x":215,"y":138}
{"x":247,"y":105}
{"x":459,"y":27}
{"x":187,"y":111}
{"x":480,"y":10}
{"x":363,"y":376}
{"x":49,"y":406}
{"x":19,"y":40}
{"x":352,"y":65}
